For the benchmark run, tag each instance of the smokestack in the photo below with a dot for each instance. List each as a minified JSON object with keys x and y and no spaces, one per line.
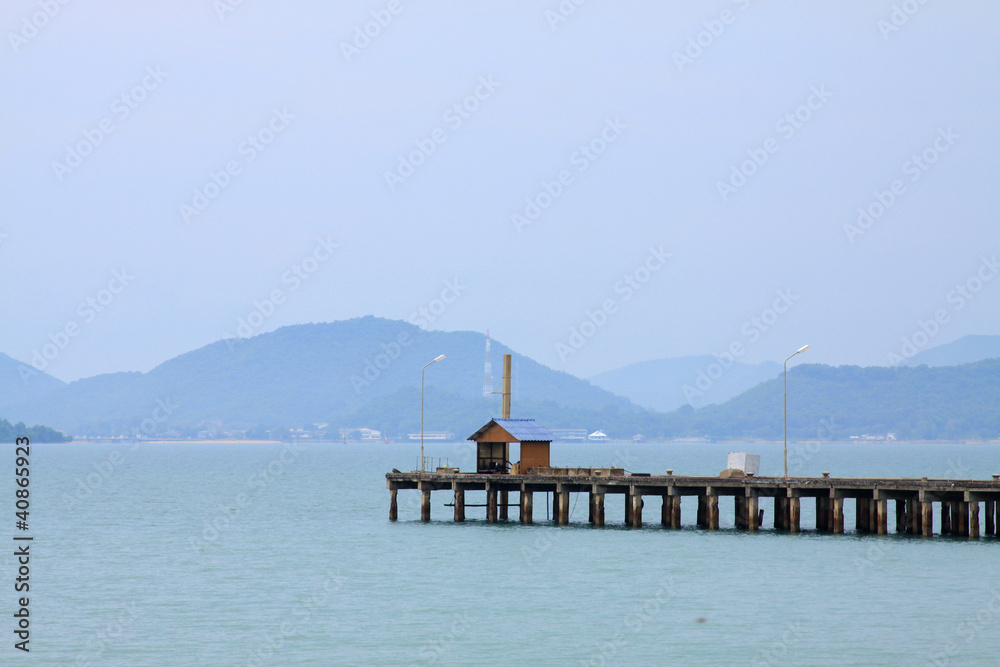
{"x":506,"y":386}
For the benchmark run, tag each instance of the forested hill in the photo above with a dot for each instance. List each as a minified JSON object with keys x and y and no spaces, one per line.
{"x":38,"y":434}
{"x":827,"y":402}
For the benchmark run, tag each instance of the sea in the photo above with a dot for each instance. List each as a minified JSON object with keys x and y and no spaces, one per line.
{"x":283,"y":554}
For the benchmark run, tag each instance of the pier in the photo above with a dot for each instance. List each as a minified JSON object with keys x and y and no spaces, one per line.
{"x":967,"y":508}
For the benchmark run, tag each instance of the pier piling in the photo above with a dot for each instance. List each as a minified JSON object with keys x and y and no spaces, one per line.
{"x":526,"y":502}
{"x":563,"y":494}
{"x":425,"y":504}
{"x":459,"y":504}
{"x":491,"y":504}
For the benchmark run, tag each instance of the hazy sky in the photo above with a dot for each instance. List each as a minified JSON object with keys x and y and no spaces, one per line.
{"x":677,"y":170}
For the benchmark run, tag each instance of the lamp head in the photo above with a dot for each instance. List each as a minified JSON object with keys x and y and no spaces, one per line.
{"x":799,"y":351}
{"x":441,"y":356}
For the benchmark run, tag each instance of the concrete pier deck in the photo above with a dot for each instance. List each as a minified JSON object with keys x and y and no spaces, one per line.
{"x":915,"y":500}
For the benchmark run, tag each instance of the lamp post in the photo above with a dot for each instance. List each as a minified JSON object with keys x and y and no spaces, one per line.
{"x":798,"y":351}
{"x":436,"y":359}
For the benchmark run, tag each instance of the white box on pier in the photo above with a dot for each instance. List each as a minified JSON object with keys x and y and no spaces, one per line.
{"x":748,"y":463}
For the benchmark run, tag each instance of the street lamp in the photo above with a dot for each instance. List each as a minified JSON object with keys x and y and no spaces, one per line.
{"x":436,"y":359}
{"x":798,"y":351}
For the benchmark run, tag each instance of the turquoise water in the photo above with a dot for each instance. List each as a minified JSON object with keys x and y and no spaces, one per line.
{"x":208,"y":554}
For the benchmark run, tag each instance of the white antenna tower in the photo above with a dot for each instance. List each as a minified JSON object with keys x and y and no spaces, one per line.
{"x":488,"y":370}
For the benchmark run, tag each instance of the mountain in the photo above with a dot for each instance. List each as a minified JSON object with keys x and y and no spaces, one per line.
{"x":20,"y":381}
{"x":833,"y":403}
{"x":965,"y":350}
{"x":366,"y":372}
{"x":667,"y":384}
{"x":294,"y":376}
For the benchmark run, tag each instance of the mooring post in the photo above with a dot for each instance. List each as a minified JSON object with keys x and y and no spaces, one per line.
{"x":459,"y":502}
{"x":860,"y":516}
{"x":838,"y":515}
{"x":882,"y":515}
{"x":794,"y":514}
{"x":491,"y":503}
{"x":504,"y":500}
{"x":927,"y":511}
{"x":974,"y":521}
{"x":425,"y":503}
{"x":563,"y":505}
{"x":636,"y":508}
{"x":597,"y":506}
{"x":393,"y":507}
{"x":526,"y":501}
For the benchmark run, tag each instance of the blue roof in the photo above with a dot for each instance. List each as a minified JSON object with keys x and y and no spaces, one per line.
{"x":522,"y":430}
